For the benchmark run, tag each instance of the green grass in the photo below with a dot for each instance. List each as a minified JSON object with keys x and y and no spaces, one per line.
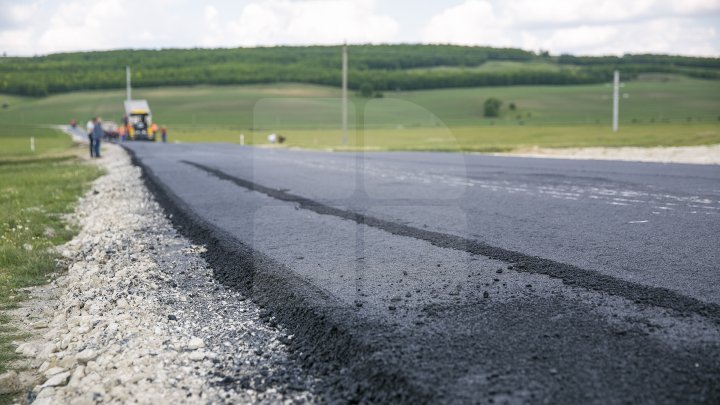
{"x":36,"y":190}
{"x":474,"y":139}
{"x":15,"y":140}
{"x":658,"y":109}
{"x":649,"y":100}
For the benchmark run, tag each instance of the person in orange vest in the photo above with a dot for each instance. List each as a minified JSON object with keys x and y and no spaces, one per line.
{"x":153,"y":130}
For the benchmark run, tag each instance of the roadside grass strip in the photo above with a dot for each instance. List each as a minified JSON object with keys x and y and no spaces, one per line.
{"x":36,"y":192}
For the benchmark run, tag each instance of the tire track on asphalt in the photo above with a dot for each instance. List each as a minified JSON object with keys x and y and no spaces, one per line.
{"x":569,"y":274}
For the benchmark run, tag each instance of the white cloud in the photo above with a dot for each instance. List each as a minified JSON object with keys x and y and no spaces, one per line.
{"x":694,"y":7}
{"x":15,"y":14}
{"x":557,"y":13}
{"x":83,"y":25}
{"x":585,"y":37}
{"x":30,"y":27}
{"x":581,"y":26}
{"x":213,"y":35}
{"x":273,"y":22}
{"x":43,"y":27}
{"x":472,"y":22}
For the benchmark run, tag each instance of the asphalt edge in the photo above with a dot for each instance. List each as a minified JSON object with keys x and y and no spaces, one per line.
{"x":321,"y":341}
{"x":571,"y":275}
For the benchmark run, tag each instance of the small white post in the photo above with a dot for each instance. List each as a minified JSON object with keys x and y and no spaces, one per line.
{"x":616,"y":99}
{"x":242,"y":139}
{"x":344,"y":92}
{"x":32,"y":144}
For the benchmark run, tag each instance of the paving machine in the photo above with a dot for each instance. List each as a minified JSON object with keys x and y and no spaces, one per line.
{"x":139,"y":120}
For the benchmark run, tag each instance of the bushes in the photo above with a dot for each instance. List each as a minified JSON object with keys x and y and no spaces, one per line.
{"x":366,"y":90}
{"x":382,"y":67}
{"x":491,"y":107}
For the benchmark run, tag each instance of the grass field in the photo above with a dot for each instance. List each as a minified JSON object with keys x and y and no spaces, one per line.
{"x":15,"y":141}
{"x":655,"y":110}
{"x":36,"y":189}
{"x":473,"y":139}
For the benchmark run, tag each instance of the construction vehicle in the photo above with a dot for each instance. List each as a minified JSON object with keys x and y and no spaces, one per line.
{"x":139,"y":120}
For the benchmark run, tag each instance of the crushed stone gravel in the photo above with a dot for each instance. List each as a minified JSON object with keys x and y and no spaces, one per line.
{"x":138,"y":317}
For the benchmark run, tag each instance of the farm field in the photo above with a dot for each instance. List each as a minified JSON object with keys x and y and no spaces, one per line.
{"x":656,"y":110}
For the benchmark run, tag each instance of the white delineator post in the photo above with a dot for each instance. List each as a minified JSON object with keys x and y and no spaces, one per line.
{"x":127,"y":82}
{"x":344,"y":93}
{"x":616,"y":99}
{"x":32,"y":144}
{"x":242,"y":139}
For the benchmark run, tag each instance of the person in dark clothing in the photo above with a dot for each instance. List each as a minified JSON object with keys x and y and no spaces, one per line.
{"x":97,"y":136}
{"x":163,"y":131}
{"x":90,"y":127}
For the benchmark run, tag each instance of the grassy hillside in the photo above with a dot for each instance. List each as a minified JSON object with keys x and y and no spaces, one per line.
{"x":656,"y":110}
{"x":650,"y":99}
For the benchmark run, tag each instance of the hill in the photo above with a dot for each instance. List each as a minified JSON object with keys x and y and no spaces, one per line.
{"x":378,"y":67}
{"x":656,"y":109}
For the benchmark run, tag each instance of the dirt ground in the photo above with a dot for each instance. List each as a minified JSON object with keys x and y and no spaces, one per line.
{"x":677,"y":154}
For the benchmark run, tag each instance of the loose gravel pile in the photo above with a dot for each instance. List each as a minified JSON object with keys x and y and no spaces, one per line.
{"x":138,"y":317}
{"x":706,"y":154}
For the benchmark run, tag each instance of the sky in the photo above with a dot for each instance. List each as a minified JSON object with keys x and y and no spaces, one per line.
{"x":584,"y":27}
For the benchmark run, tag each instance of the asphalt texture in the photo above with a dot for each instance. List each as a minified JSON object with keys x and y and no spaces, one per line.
{"x":431,"y":277}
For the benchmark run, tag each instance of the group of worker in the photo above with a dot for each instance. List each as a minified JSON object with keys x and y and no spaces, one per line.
{"x":96,"y":133}
{"x":153,"y":130}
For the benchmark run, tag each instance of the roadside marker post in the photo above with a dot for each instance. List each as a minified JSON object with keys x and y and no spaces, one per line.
{"x":32,"y":144}
{"x":616,"y":99}
{"x":242,"y":139}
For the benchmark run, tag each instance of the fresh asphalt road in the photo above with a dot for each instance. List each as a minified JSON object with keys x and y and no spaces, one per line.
{"x":457,"y":277}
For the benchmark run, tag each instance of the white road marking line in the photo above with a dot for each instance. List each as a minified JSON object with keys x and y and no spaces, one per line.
{"x":638,"y":222}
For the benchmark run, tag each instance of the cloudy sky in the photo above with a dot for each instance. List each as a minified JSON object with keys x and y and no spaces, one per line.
{"x":591,"y":27}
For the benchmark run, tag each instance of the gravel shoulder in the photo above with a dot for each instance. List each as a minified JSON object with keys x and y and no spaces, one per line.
{"x":139,"y":317}
{"x":677,"y":154}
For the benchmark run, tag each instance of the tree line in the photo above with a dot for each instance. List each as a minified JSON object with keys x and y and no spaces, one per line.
{"x":383,"y":67}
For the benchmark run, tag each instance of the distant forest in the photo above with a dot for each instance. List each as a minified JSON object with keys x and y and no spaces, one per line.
{"x":380,"y":67}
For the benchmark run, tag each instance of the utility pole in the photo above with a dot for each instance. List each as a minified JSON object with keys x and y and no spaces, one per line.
{"x":616,"y":99}
{"x":344,"y":93}
{"x":127,"y":81}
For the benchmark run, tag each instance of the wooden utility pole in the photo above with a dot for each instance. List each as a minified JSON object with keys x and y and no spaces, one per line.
{"x":127,"y":82}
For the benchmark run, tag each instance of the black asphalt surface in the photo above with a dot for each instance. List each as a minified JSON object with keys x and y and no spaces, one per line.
{"x":466,"y":278}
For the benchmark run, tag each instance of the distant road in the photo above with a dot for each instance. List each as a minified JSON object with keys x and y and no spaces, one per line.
{"x":77,"y":134}
{"x":454,"y":277}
